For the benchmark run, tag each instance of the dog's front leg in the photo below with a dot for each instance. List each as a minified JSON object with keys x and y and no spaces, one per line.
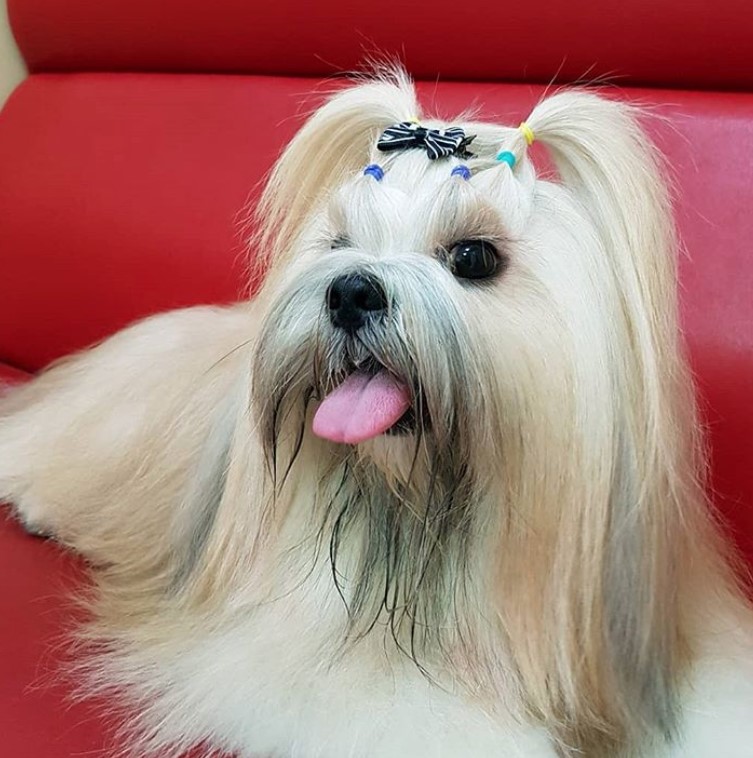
{"x":102,"y":449}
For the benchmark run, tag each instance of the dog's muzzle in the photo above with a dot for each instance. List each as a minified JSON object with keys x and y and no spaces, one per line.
{"x":371,"y":400}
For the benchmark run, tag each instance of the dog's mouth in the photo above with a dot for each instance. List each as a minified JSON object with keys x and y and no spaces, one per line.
{"x":369,"y":402}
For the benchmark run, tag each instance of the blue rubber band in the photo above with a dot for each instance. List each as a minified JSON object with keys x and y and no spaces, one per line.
{"x":461,"y":171}
{"x":506,"y":157}
{"x":375,"y":170}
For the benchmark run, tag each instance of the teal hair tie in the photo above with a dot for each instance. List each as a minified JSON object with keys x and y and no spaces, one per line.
{"x":506,"y":157}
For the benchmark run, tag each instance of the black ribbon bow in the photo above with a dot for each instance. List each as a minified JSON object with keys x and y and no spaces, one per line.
{"x":439,"y":143}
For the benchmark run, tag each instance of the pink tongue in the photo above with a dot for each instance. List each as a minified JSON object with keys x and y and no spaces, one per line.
{"x":362,"y":407}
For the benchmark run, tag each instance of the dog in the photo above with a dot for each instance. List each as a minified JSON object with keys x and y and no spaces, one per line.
{"x":436,"y":491}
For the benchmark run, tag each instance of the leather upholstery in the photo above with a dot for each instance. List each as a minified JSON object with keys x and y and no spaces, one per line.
{"x":35,"y":607}
{"x":683,"y":44}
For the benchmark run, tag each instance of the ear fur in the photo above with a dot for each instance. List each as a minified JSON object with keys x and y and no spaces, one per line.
{"x":647,"y":543}
{"x":336,"y":141}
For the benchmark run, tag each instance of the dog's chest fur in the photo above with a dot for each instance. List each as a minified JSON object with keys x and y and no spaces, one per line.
{"x":285,"y":691}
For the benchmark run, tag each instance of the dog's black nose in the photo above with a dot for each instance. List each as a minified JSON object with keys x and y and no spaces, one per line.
{"x":352,"y":299}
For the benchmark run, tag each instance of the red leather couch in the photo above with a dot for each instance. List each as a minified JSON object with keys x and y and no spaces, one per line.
{"x":128,"y":156}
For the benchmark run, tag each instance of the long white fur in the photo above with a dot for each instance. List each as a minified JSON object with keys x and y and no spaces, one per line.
{"x":599,"y":615}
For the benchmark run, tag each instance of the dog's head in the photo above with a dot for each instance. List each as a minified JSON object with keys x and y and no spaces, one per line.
{"x":492,"y":362}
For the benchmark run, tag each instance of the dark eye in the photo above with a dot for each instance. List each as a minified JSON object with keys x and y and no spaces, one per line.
{"x":473,"y":259}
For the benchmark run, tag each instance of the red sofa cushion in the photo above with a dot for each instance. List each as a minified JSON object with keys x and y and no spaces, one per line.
{"x":121,"y":195}
{"x":11,"y":377}
{"x":37,"y":717}
{"x":688,"y":44}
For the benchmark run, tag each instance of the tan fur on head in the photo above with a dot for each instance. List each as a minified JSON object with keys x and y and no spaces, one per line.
{"x":537,"y":551}
{"x":328,"y":149}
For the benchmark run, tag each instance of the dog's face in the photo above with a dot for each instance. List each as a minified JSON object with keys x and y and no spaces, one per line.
{"x":476,"y":302}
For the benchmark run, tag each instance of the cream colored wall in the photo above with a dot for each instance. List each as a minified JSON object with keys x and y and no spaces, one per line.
{"x":12,"y":68}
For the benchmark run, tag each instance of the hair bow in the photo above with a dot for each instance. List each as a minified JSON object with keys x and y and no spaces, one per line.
{"x":439,"y":143}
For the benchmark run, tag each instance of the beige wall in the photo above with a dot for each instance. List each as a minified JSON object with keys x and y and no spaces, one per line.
{"x":12,"y":69}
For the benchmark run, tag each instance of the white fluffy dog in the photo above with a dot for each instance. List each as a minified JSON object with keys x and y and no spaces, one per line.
{"x":436,"y":491}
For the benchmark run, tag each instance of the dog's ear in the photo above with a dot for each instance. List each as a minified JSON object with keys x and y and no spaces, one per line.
{"x":634,"y":508}
{"x":335,"y":141}
{"x":604,"y":157}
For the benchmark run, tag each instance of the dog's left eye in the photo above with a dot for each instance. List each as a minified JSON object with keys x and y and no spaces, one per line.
{"x":473,"y":259}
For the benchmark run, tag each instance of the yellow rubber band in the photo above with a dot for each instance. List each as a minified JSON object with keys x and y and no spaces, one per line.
{"x":527,"y":133}
{"x":414,"y":120}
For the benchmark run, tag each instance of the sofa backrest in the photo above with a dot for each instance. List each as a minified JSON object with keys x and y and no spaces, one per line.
{"x":669,"y":43}
{"x":130,"y":153}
